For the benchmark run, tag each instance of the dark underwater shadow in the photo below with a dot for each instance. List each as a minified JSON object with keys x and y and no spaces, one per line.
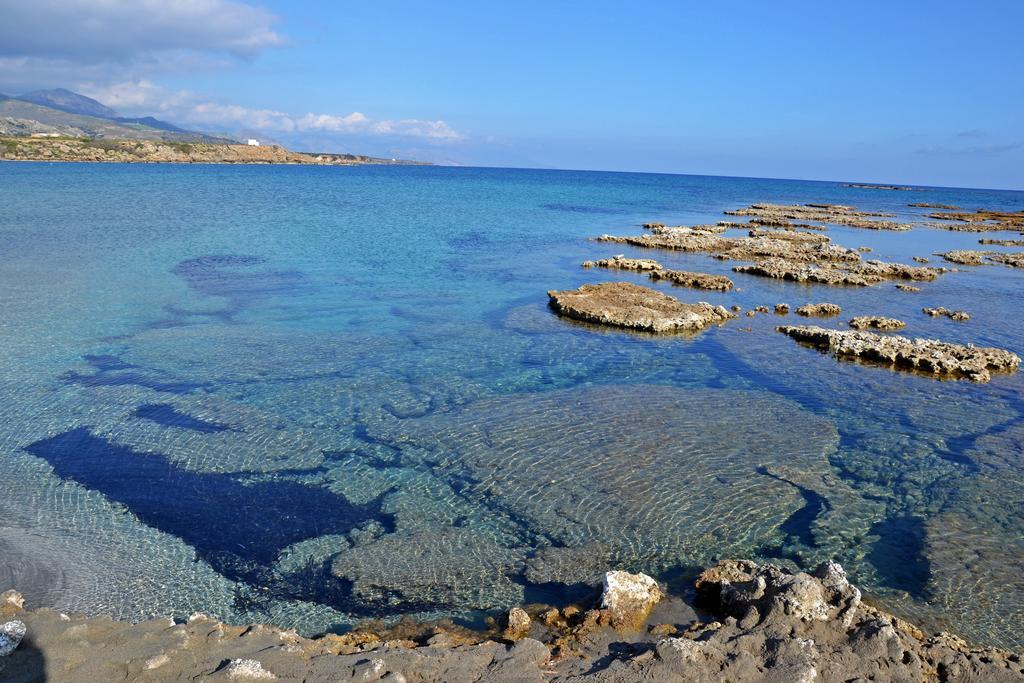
{"x":26,"y":664}
{"x":237,"y":525}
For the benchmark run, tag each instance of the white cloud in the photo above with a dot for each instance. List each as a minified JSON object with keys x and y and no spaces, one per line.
{"x":94,"y":31}
{"x":188,"y":109}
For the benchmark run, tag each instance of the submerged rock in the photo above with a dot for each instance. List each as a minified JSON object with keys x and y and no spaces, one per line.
{"x":907,"y":288}
{"x":864,"y":322}
{"x":629,"y":598}
{"x":940,"y":359}
{"x":449,"y":567}
{"x":11,"y":635}
{"x":823,"y":310}
{"x":623,"y":304}
{"x":649,"y":472}
{"x":695,"y":280}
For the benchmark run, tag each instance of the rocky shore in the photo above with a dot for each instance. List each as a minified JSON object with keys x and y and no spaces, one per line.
{"x":739,"y":621}
{"x":153,"y":151}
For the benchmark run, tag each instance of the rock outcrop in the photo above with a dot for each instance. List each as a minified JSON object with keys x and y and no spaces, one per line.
{"x":874,"y":322}
{"x":620,"y":262}
{"x":780,"y":625}
{"x":629,"y":598}
{"x":623,"y":304}
{"x":823,"y":310}
{"x":763,"y":623}
{"x":857,"y":274}
{"x":982,"y":220}
{"x":782,"y":214}
{"x":935,"y":358}
{"x":1002,"y":243}
{"x":1014,"y":260}
{"x":960,"y":316}
{"x":965,"y":257}
{"x":685,"y":278}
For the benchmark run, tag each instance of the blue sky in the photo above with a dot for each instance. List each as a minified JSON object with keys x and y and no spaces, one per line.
{"x":910,"y":92}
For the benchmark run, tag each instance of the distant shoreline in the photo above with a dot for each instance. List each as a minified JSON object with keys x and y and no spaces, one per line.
{"x":103,"y":150}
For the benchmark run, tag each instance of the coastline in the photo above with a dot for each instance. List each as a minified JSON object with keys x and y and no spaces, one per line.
{"x":739,"y":621}
{"x":72,"y":150}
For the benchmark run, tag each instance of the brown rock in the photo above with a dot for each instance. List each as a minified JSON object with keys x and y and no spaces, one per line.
{"x":622,"y":263}
{"x":864,"y":322}
{"x":623,"y":304}
{"x":695,"y":280}
{"x":823,"y":310}
{"x":939,"y":359}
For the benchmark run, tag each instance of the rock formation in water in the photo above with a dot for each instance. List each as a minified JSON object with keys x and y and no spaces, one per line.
{"x":940,"y":359}
{"x":620,"y":262}
{"x":623,"y":304}
{"x":685,"y":278}
{"x":823,"y":310}
{"x":825,"y":213}
{"x":875,"y":322}
{"x":1002,"y":243}
{"x":1014,"y":259}
{"x":964,"y":257}
{"x":980,"y":220}
{"x":858,"y":274}
{"x":941,"y":311}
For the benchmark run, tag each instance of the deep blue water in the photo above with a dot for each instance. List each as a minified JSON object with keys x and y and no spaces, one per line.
{"x":313,"y":395}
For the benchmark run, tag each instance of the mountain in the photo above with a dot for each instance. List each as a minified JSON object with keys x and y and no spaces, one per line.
{"x":152,"y":123}
{"x":70,"y":102}
{"x":19,"y":117}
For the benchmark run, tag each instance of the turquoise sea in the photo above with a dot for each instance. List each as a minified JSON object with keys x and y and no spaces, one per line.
{"x":318,"y":395}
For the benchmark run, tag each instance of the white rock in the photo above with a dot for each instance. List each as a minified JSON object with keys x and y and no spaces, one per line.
{"x":629,"y":597}
{"x":248,"y":669}
{"x":11,"y":634}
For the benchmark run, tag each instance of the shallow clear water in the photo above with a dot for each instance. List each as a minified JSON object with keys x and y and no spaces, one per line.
{"x":317,"y":395}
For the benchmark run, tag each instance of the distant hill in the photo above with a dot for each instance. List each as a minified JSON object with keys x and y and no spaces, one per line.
{"x":20,"y":117}
{"x":70,"y":102}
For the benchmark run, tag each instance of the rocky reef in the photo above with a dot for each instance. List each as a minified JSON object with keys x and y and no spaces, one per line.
{"x":940,"y":359}
{"x":823,"y":310}
{"x":684,"y":278}
{"x":1014,"y":260}
{"x":863,"y":274}
{"x":876,"y":322}
{"x":941,"y":311}
{"x":964,"y":257}
{"x":837,"y":214}
{"x":623,"y":304}
{"x":681,"y":278}
{"x":1002,"y":243}
{"x":745,"y":622}
{"x":981,"y":220}
{"x":750,"y":248}
{"x":620,"y":262}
